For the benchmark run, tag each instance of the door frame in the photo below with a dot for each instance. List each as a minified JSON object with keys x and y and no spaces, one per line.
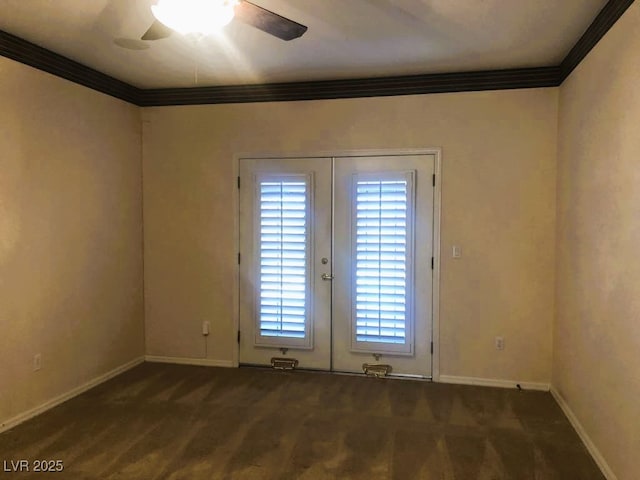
{"x":437,"y":202}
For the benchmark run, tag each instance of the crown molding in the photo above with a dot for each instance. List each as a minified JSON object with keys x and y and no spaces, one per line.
{"x":536,"y":77}
{"x":31,"y":54}
{"x":354,"y":88}
{"x":603,"y":22}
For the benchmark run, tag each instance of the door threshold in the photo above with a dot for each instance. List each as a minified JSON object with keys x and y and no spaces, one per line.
{"x":393,"y":376}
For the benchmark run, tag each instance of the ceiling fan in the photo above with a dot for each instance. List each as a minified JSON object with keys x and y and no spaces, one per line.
{"x":209,"y":14}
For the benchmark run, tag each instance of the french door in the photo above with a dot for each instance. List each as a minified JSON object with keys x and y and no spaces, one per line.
{"x":336,"y":262}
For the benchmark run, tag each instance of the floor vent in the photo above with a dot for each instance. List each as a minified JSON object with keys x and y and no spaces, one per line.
{"x":376,"y":369}
{"x":278,"y":363}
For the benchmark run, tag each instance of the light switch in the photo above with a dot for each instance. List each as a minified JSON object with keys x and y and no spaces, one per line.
{"x":456,"y":251}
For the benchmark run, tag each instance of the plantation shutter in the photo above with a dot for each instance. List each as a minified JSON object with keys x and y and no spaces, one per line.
{"x":383,"y":251}
{"x":283,"y":206}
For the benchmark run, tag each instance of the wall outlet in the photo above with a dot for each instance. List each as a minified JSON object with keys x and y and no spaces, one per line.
{"x":205,"y":328}
{"x":499,"y":343}
{"x":37,"y":362}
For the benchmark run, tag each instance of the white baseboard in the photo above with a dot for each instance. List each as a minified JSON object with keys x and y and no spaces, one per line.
{"x":582,"y":433}
{"x":205,"y":362}
{"x":54,"y":402}
{"x":493,"y":382}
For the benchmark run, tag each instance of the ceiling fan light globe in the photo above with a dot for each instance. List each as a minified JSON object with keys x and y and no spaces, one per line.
{"x":194,"y":16}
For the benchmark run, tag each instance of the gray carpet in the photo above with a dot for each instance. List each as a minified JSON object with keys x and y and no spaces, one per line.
{"x":180,"y":422}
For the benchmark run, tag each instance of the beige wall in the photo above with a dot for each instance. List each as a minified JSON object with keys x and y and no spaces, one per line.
{"x":71,"y":271}
{"x":70,"y":236}
{"x":597,"y":332}
{"x":499,"y":151}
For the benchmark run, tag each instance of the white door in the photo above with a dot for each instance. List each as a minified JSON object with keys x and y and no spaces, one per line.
{"x":336,"y":262}
{"x":285,"y":233}
{"x":383,"y":282}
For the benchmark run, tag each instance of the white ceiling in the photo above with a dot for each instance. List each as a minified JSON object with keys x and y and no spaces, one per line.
{"x":346,"y":39}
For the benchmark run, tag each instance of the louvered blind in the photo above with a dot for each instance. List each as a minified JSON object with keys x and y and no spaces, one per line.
{"x":283,"y":258}
{"x":382,"y":245}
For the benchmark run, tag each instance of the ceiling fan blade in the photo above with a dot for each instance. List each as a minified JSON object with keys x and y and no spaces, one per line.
{"x":157,"y":31}
{"x":268,"y":21}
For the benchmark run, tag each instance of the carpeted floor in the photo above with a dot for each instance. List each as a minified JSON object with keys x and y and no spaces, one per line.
{"x":180,"y":422}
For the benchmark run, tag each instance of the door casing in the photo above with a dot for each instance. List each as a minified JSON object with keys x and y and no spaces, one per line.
{"x":437,"y":201}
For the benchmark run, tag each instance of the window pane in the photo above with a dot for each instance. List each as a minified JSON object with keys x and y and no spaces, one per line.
{"x":283,"y":258}
{"x":380,"y":246}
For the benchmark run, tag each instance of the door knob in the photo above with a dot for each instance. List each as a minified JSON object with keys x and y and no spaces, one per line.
{"x":326,"y":276}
